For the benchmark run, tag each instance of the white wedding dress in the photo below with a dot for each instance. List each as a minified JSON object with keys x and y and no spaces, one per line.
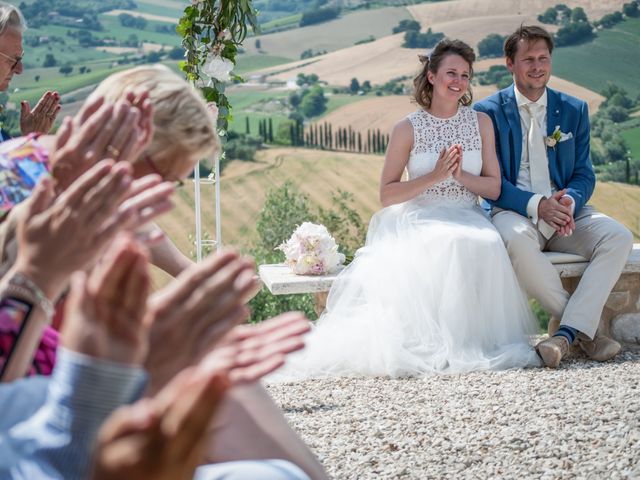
{"x":432,"y":290}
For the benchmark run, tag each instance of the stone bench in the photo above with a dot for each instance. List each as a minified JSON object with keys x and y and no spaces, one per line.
{"x":621,"y":315}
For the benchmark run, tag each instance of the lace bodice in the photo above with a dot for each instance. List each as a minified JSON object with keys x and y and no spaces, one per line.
{"x":430,"y":135}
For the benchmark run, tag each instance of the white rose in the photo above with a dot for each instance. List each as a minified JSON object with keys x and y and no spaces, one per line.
{"x":218,"y":67}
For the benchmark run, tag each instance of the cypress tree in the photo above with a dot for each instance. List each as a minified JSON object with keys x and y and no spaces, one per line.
{"x":300,"y":132}
{"x":246,"y":125}
{"x":369,"y":141}
{"x":292,"y":135}
{"x":330,"y":137}
{"x":359,"y":142}
{"x":270,"y":130}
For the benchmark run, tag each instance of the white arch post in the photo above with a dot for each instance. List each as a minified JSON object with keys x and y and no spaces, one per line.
{"x":197,"y":181}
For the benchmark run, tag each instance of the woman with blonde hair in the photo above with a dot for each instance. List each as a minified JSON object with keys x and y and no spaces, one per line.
{"x":176,"y":129}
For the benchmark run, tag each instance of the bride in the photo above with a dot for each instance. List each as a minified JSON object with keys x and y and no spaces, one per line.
{"x":433,"y":289}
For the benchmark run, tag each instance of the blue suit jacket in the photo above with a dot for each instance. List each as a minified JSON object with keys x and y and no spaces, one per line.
{"x":569,"y":161}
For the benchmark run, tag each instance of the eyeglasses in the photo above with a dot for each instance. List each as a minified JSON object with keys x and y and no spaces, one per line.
{"x":15,"y":60}
{"x":154,"y":168}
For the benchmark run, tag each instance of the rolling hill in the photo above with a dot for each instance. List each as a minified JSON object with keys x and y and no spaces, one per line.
{"x":469,"y":20}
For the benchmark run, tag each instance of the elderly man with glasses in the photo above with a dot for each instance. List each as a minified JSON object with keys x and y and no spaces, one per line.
{"x":41,"y":118}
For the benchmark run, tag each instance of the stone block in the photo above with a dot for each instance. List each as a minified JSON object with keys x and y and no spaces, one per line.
{"x":618,"y":300}
{"x":626,"y":328}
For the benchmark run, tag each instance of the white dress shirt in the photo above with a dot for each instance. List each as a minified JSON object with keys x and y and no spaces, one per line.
{"x":524,"y":174}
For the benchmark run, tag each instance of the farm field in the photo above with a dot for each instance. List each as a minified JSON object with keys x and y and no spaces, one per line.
{"x":611,"y":57}
{"x":378,"y":61}
{"x":247,"y":63}
{"x":470,"y":20}
{"x":113,"y":28}
{"x":167,"y":8}
{"x":31,"y":90}
{"x":336,"y":34}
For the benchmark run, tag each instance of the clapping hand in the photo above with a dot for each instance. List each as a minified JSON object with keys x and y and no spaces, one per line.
{"x":189,"y":316}
{"x":119,"y":131}
{"x":105,"y":309}
{"x":163,"y":437}
{"x":41,"y":118}
{"x":60,"y":235}
{"x":447,"y":163}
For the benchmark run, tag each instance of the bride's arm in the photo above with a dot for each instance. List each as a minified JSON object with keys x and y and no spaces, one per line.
{"x":487,"y":184}
{"x":392,"y":189}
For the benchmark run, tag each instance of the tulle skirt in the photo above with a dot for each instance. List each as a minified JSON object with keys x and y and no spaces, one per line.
{"x":432,"y":291}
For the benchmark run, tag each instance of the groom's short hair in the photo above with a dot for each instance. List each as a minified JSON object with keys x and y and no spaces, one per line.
{"x":527,"y":33}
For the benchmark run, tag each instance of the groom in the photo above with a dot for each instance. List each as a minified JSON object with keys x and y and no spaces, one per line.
{"x":542,"y":142}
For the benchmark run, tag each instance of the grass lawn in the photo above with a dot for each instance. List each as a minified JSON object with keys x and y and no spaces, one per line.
{"x":613,"y":56}
{"x":632,"y":137}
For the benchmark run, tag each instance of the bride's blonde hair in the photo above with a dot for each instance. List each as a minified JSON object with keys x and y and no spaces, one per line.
{"x":423,"y":89}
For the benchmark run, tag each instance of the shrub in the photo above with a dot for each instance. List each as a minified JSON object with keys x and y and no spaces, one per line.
{"x":491,"y":45}
{"x":413,"y":39}
{"x":406,"y":25}
{"x":318,"y":16}
{"x":574,"y":33}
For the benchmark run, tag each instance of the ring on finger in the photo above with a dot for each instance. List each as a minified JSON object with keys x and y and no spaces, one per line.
{"x":113,"y":151}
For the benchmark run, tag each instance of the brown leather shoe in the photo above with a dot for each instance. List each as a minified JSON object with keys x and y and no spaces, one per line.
{"x":552,"y":350}
{"x":601,"y":348}
{"x":554,"y":325}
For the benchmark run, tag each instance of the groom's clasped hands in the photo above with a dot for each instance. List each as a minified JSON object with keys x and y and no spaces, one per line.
{"x":557,"y":211}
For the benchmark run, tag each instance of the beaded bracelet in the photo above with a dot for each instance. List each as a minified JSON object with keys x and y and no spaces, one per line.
{"x":22,"y":286}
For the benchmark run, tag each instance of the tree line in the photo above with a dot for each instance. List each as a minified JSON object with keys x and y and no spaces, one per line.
{"x":323,"y":136}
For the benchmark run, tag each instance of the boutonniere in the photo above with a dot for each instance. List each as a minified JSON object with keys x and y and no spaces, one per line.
{"x":556,"y":137}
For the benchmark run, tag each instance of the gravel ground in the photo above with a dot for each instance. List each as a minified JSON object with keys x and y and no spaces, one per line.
{"x":581,"y":421}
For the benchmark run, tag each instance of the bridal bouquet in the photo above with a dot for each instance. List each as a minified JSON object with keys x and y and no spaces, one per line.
{"x":311,"y":250}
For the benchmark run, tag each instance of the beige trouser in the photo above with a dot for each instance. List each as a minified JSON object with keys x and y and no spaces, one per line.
{"x":602,"y":240}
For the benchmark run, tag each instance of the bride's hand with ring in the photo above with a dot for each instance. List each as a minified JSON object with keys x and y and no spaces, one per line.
{"x":447,"y":163}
